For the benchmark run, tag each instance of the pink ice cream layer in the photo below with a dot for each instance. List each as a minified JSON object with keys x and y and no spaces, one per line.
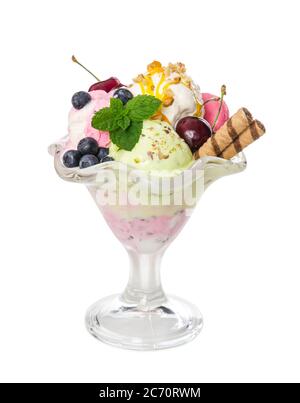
{"x":159,"y":229}
{"x":80,"y":121}
{"x":101,"y":100}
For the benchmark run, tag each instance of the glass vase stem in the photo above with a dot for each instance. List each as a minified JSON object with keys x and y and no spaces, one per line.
{"x":144,"y":285}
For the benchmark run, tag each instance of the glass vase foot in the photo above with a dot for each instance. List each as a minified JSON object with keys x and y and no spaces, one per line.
{"x":137,"y":327}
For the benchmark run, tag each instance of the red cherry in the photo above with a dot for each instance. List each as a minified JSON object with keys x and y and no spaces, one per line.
{"x":107,"y":85}
{"x":194,"y":131}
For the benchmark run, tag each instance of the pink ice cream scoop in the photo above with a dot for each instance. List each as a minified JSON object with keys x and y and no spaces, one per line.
{"x":80,"y":120}
{"x":211,"y":109}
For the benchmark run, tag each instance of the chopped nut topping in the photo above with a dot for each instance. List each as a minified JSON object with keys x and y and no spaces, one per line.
{"x":154,"y":67}
{"x":176,"y":80}
{"x":171,"y":67}
{"x":181,"y":68}
{"x":168,"y":92}
{"x":167,"y":101}
{"x":162,"y":156}
{"x":176,"y":68}
{"x":188,"y":82}
{"x":140,"y":78}
{"x":150,"y":154}
{"x":168,"y":97}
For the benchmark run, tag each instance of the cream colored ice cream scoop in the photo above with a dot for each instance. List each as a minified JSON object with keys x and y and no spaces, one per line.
{"x":180,"y":96}
{"x":159,"y":149}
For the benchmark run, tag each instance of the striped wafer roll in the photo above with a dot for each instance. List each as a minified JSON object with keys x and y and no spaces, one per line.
{"x":226,"y":134}
{"x":255,"y":130}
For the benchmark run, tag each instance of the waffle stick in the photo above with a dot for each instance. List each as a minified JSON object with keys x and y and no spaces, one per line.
{"x":253,"y":132}
{"x":231,"y":130}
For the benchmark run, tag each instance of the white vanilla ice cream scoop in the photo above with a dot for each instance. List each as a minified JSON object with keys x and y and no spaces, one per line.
{"x":180,"y":96}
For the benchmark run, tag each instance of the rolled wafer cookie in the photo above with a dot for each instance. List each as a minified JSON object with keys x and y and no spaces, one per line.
{"x":226,"y":134}
{"x":255,"y":130}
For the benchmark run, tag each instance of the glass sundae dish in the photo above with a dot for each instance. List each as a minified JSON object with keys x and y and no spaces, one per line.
{"x":145,"y":167}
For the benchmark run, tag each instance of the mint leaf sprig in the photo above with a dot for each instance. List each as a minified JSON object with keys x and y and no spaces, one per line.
{"x":125,"y":122}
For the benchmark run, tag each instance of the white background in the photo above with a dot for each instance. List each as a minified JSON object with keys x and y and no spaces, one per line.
{"x":238,"y":257}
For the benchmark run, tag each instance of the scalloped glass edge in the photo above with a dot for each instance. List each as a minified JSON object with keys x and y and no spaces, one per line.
{"x":89,"y":175}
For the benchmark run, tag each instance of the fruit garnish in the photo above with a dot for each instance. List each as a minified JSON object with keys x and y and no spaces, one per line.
{"x":211,"y":110}
{"x":123,"y":94}
{"x":88,"y":145}
{"x":80,"y":99}
{"x":102,"y":153}
{"x":107,"y":85}
{"x":194,"y":131}
{"x":125,"y":122}
{"x":223,"y":93}
{"x":88,"y":160}
{"x":71,"y":158}
{"x":87,"y":154}
{"x":81,"y":65}
{"x":107,"y":159}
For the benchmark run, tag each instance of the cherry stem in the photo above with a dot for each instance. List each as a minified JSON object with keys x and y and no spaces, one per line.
{"x":223,"y":92}
{"x":76,"y":61}
{"x":211,"y":100}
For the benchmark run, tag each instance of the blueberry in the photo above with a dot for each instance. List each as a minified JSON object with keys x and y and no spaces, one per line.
{"x":107,"y":158}
{"x":88,"y":145}
{"x":71,"y":158}
{"x":80,"y":99}
{"x":102,"y":153}
{"x":88,"y":160}
{"x":123,"y":94}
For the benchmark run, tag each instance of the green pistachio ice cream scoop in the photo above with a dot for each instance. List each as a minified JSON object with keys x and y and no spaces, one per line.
{"x":159,"y":149}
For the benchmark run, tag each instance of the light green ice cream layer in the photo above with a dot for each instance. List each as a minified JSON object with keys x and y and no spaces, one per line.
{"x":159,"y":149}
